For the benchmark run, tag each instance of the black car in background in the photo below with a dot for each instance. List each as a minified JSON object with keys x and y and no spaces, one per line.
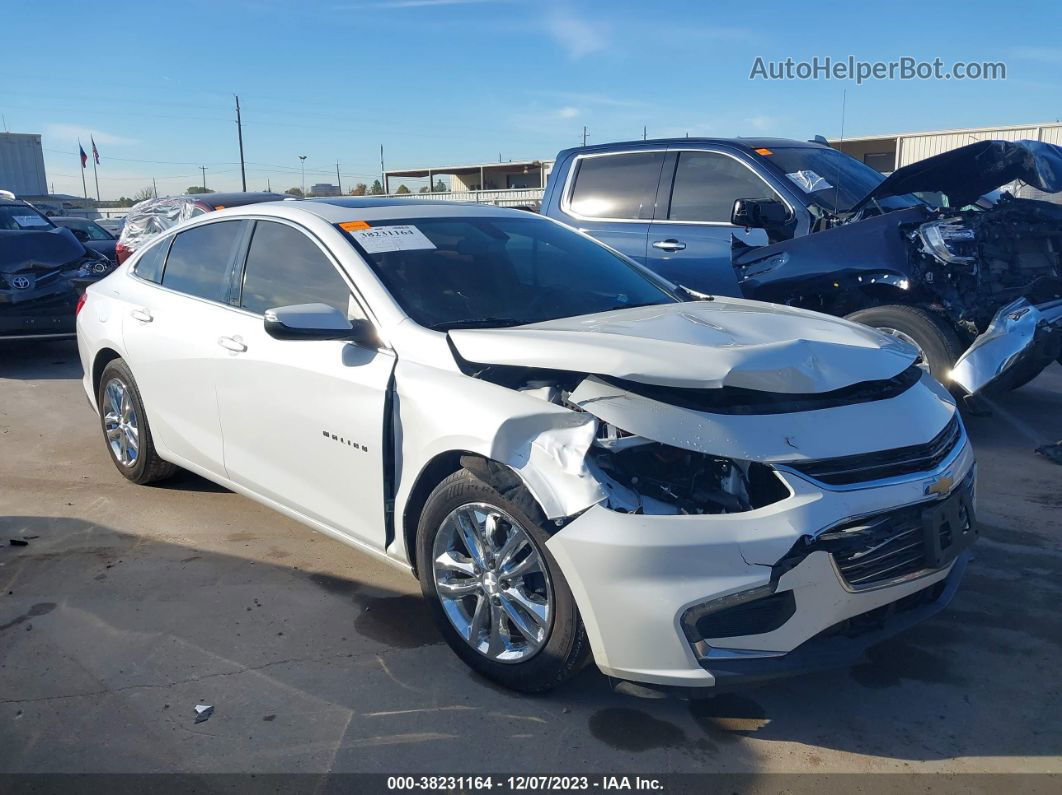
{"x":91,"y":235}
{"x":44,"y":269}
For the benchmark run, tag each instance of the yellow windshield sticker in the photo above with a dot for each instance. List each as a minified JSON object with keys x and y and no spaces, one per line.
{"x":353,"y":226}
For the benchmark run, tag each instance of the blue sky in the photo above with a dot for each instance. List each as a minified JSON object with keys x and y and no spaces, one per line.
{"x":455,"y":81}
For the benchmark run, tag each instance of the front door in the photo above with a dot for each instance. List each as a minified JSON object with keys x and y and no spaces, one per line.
{"x":304,"y":420}
{"x":690,"y":241}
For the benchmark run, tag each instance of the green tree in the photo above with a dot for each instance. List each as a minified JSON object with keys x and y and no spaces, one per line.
{"x":359,"y":189}
{"x":294,"y":192}
{"x":403,"y":189}
{"x":193,"y":189}
{"x":376,"y":188}
{"x":423,"y":189}
{"x":439,"y":187}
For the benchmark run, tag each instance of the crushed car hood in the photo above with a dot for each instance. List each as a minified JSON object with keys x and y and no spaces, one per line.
{"x":24,"y":250}
{"x":966,"y":173}
{"x":704,"y":344}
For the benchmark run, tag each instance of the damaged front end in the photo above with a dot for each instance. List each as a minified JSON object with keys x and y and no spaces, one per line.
{"x":997,"y":273}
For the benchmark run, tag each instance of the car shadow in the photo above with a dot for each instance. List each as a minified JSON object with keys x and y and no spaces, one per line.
{"x":39,"y":359}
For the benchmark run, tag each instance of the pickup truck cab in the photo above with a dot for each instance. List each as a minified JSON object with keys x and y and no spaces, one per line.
{"x":973,"y":282}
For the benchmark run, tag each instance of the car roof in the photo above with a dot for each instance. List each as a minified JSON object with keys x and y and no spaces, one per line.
{"x":747,"y":144}
{"x":60,"y":218}
{"x":338,"y":210}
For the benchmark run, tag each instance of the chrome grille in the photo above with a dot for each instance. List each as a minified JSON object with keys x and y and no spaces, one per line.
{"x":849,"y":469}
{"x":899,"y":543}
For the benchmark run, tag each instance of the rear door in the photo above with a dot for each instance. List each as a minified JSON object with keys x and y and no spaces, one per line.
{"x":171,"y":333}
{"x":689,"y":242}
{"x":304,"y":420}
{"x":612,"y":197}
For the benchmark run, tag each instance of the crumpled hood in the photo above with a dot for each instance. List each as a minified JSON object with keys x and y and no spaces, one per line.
{"x":52,"y":249}
{"x":966,"y":173}
{"x":703,"y":344}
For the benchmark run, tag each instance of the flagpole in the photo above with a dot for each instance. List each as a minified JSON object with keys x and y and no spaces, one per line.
{"x":81,"y":163}
{"x":95,"y":173}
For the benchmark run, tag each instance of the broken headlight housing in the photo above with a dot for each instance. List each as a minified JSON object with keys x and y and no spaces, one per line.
{"x":642,"y":476}
{"x":949,"y":240}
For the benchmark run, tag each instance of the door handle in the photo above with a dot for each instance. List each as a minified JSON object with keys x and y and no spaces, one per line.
{"x":142,"y":315}
{"x":234,"y":344}
{"x":669,"y":245}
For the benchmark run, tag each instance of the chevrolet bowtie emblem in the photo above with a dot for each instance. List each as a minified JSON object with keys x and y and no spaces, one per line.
{"x":940,"y":486}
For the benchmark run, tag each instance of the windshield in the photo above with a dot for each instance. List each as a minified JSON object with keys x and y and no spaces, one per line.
{"x":830,"y":179}
{"x":14,"y":217}
{"x":493,"y":272}
{"x":92,"y":231}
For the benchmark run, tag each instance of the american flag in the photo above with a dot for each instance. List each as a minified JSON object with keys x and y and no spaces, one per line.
{"x":95,"y":151}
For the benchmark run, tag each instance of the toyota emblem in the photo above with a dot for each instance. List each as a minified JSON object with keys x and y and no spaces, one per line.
{"x":21,"y":282}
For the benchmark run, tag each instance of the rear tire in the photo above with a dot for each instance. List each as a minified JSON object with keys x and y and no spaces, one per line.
{"x":518,"y":661}
{"x":937,"y":342}
{"x":125,"y":427}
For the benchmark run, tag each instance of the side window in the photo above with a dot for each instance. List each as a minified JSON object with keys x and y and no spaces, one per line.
{"x":285,"y":267}
{"x":199,"y":260}
{"x":617,"y":186}
{"x":706,"y":185}
{"x":149,"y":266}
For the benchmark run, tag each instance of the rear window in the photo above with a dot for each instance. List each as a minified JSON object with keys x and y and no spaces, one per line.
{"x":22,"y":217}
{"x":149,"y":266}
{"x":200,"y":260}
{"x":617,"y":186}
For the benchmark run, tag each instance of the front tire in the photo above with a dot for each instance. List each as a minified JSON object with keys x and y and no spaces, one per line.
{"x":125,"y":427}
{"x":493,"y":588}
{"x":937,"y":343}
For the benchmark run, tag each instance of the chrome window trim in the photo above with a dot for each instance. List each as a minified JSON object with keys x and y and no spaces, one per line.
{"x":781,"y":198}
{"x":569,"y":187}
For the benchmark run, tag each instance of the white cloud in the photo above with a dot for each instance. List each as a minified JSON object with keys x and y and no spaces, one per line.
{"x":568,"y":112}
{"x":761,"y":122}
{"x":72,"y":132}
{"x":577,"y":36}
{"x":1052,"y":55}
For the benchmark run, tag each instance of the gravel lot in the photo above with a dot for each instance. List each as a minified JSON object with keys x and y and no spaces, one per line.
{"x":130,"y":605}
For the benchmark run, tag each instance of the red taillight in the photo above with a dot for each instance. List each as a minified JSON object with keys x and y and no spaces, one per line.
{"x":121,"y":252}
{"x":81,"y":299}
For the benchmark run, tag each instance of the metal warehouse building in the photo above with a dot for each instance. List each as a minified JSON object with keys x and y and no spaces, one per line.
{"x":22,"y":164}
{"x":889,"y":152}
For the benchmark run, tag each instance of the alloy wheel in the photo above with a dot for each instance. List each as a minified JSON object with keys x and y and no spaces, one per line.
{"x":492,"y":583}
{"x":120,"y":423}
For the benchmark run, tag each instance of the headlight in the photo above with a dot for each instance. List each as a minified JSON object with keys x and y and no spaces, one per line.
{"x":949,"y":241}
{"x":642,"y":476}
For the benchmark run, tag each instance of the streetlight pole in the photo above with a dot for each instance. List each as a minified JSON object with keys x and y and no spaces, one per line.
{"x":302,"y":159}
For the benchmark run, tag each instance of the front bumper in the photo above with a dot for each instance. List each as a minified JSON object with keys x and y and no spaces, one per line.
{"x":38,"y":316}
{"x":635,"y":576}
{"x":1021,"y":338}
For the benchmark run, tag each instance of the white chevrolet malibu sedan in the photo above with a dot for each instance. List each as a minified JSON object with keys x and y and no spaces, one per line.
{"x":577,"y":459}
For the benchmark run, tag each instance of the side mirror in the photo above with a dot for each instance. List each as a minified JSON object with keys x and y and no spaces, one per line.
{"x":317,"y":322}
{"x":759,"y":213}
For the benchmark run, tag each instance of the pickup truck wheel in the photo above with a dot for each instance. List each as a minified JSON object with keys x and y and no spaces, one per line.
{"x":494,"y":590}
{"x":936,"y":341}
{"x":125,"y":427}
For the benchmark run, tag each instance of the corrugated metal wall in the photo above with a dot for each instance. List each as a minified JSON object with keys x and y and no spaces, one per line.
{"x":22,"y":164}
{"x":913,"y":148}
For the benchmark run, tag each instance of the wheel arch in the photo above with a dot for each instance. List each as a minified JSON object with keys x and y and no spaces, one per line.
{"x":434,"y":472}
{"x":104,"y":356}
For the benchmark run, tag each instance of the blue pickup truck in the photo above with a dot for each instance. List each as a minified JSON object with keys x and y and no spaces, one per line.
{"x":974,"y":282}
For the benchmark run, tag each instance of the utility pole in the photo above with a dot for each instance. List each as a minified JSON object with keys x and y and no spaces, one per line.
{"x":645,"y":131}
{"x":584,"y":135}
{"x":239,"y":132}
{"x":203,"y":169}
{"x":269,"y":186}
{"x":383,"y":171}
{"x":154,"y":187}
{"x":302,"y":158}
{"x":339,"y":180}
